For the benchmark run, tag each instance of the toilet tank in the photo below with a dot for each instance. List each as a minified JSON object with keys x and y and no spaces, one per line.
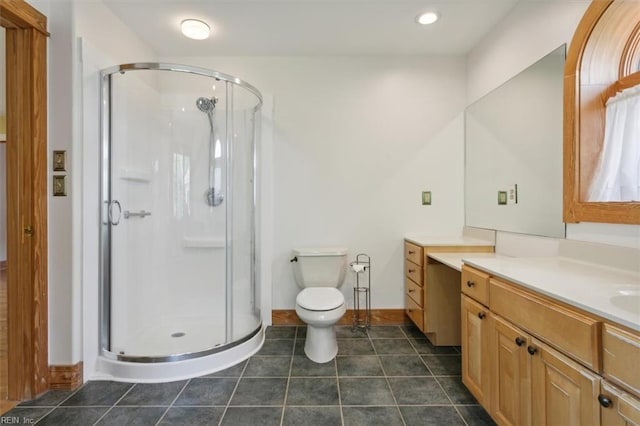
{"x":319,"y":267}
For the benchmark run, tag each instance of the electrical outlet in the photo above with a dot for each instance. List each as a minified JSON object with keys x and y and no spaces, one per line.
{"x":512,"y":194}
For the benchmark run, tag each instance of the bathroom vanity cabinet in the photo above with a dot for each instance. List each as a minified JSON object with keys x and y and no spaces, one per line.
{"x":432,"y":295}
{"x":532,"y":359}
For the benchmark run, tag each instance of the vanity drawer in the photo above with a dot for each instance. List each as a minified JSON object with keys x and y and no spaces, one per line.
{"x":414,"y":291}
{"x":415,"y":312}
{"x":575,"y":334}
{"x":413,"y":271}
{"x":413,"y":253}
{"x":475,"y":283}
{"x":620,"y":355}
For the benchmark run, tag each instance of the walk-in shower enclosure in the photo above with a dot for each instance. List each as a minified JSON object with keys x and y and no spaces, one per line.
{"x":178,"y":217}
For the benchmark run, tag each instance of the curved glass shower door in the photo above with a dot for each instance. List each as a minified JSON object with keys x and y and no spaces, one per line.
{"x":178,"y":219}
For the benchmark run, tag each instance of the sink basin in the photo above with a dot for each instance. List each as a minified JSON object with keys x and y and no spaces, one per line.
{"x":628,"y":301}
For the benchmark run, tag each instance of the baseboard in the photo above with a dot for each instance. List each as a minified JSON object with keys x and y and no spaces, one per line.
{"x":378,"y":317}
{"x":65,"y":377}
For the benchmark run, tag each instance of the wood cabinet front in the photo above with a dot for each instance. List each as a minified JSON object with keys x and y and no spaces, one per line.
{"x":618,"y":407}
{"x":476,"y":350}
{"x":511,"y":374}
{"x":575,"y":334}
{"x":475,"y":284}
{"x":620,"y":351}
{"x":562,"y":391}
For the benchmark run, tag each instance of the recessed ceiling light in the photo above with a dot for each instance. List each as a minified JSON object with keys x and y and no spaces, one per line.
{"x":195,"y":29}
{"x":427,"y":18}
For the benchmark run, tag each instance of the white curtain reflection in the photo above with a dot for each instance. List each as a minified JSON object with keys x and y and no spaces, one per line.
{"x":617,"y":177}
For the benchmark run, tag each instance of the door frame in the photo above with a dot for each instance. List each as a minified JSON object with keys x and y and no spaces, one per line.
{"x":27,"y":310}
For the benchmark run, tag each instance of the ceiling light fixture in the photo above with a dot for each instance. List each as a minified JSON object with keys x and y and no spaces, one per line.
{"x":195,"y":29}
{"x":427,"y":18}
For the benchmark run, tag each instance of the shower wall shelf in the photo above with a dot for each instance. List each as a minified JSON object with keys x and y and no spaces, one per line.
{"x":135,"y":175}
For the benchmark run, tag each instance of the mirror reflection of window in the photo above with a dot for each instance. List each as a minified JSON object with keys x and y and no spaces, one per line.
{"x":617,"y":177}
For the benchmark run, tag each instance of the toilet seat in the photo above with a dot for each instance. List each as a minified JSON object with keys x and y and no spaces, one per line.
{"x":320,"y":299}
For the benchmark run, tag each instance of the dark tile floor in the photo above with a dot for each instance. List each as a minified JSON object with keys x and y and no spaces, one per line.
{"x":392,"y":376}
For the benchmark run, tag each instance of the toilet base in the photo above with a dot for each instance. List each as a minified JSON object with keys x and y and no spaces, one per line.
{"x":321,"y":345}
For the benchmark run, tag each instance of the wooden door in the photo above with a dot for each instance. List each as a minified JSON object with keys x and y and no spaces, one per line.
{"x":564,"y":393}
{"x":475,"y":350}
{"x":26,"y":50}
{"x":510,"y":374}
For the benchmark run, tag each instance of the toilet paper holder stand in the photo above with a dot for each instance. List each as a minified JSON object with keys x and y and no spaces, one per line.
{"x":361,"y":292}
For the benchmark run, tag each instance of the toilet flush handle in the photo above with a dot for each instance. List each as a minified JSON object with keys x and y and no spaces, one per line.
{"x":295,"y":259}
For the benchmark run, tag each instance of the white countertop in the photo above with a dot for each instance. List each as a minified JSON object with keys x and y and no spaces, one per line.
{"x":455,"y":260}
{"x":600,"y":290}
{"x":425,"y":240}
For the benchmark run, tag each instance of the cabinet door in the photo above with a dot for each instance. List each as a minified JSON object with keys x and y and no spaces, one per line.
{"x":618,"y":407}
{"x":563,"y":392}
{"x":475,"y":350}
{"x":511,"y":378}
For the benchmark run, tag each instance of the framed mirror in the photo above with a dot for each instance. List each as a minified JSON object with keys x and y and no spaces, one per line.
{"x":513,"y":153}
{"x":602,"y":63}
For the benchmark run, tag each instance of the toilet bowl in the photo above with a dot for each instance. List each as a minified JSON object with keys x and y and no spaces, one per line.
{"x":320,"y":272}
{"x":320,"y":308}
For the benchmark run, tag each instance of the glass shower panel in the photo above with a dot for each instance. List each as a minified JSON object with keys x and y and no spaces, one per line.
{"x":168,"y":248}
{"x":243,"y":136}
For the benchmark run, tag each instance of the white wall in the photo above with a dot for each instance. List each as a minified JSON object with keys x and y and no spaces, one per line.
{"x":105,"y":42}
{"x":531,"y":30}
{"x":356,"y":140}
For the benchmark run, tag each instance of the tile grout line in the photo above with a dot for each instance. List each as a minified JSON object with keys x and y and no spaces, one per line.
{"x":235,"y":388}
{"x":286,"y":388}
{"x":386,"y":378}
{"x":335,"y":363}
{"x":173,"y":402}
{"x":439,"y":384}
{"x":115,"y":403}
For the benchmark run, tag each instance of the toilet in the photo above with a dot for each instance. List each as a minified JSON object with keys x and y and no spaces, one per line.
{"x":320,"y":272}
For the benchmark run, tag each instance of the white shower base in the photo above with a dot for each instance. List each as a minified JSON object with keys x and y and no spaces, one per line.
{"x":175,"y":336}
{"x":158,"y":372}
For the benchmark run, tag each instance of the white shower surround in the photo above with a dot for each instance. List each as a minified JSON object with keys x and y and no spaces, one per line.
{"x":169,"y":286}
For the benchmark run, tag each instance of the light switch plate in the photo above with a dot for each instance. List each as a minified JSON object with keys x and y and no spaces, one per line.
{"x":59,"y":161}
{"x":426,"y":198}
{"x":502,"y":198}
{"x":60,"y":186}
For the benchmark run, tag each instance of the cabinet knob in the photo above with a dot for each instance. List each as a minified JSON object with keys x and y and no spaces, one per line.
{"x":411,"y":271}
{"x":519,"y":341}
{"x":481,"y":315}
{"x":411,"y":251}
{"x":470,"y":283}
{"x":604,"y":401}
{"x":532,"y":350}
{"x":411,"y":290}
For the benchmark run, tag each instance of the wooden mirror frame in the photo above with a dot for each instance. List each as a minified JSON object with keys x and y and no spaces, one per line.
{"x":603,"y":58}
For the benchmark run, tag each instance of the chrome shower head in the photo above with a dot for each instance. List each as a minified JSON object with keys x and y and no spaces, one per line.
{"x":206,"y":104}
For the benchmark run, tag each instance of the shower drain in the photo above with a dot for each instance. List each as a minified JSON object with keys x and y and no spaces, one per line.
{"x":178,"y":334}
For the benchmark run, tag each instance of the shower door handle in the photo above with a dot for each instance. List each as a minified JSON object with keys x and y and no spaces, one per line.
{"x":141,"y":213}
{"x":111,"y":220}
